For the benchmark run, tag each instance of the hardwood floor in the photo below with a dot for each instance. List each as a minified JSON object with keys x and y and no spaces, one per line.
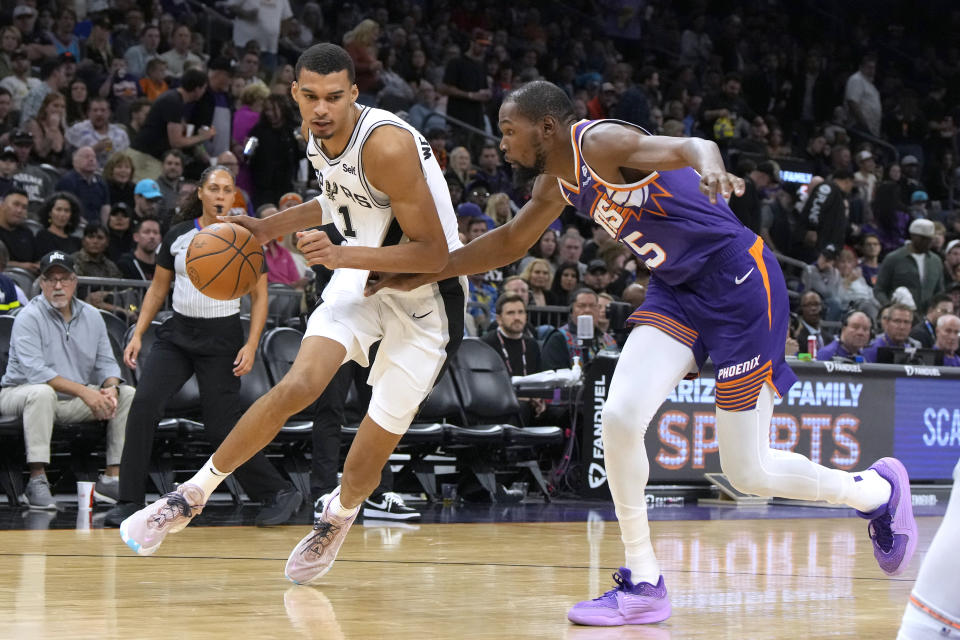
{"x":736,"y":579}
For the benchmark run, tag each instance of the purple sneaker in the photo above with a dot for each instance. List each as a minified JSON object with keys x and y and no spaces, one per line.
{"x":314,"y":555}
{"x":627,"y":603}
{"x":892,"y":527}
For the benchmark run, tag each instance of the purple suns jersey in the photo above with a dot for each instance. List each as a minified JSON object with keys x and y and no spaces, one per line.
{"x":665,"y":219}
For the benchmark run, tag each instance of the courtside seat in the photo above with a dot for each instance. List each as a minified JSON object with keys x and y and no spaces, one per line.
{"x":489,"y":401}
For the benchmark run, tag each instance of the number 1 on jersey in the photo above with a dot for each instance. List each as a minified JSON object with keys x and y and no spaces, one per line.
{"x":348,"y":230}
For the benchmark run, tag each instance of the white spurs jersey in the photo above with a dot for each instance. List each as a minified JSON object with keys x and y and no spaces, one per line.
{"x":361,"y":213}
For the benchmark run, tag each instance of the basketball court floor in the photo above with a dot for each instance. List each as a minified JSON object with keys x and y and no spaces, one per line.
{"x":473,"y":571}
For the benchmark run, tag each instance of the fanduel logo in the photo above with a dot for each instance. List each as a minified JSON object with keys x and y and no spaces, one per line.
{"x":736,"y":370}
{"x":842,"y":367}
{"x":596,"y":476}
{"x":921,"y":371}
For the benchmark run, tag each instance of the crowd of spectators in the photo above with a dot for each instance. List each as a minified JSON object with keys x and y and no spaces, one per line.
{"x":844,"y":129}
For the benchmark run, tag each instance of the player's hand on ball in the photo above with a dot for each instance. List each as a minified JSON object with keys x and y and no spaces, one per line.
{"x":398,"y":281}
{"x":318,"y":249}
{"x":714,"y":182}
{"x":253,"y":225}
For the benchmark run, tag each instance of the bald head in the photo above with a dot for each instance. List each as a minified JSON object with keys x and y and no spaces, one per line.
{"x":948,"y":333}
{"x":229,"y":161}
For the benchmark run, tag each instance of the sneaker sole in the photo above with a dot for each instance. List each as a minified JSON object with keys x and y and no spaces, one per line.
{"x":903,"y":520}
{"x":387,"y":515}
{"x":313,"y":579}
{"x":42,"y":507}
{"x":589,"y":620}
{"x":133,"y":544}
{"x":100,"y":497}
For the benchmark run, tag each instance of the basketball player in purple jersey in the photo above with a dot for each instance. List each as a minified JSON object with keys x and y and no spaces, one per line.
{"x":715,"y":291}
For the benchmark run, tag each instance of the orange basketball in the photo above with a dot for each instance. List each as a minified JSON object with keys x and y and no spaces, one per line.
{"x":224,"y":261}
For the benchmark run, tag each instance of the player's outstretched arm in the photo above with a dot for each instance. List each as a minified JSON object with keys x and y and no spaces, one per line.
{"x":501,"y":246}
{"x":302,"y":216}
{"x":607,"y":148}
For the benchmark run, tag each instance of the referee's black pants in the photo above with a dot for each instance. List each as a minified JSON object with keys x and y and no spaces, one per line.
{"x":184,"y":346}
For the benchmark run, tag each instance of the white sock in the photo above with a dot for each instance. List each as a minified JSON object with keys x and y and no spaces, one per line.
{"x":208,"y":478}
{"x":628,"y":410}
{"x":337,"y":508}
{"x":866,"y":490}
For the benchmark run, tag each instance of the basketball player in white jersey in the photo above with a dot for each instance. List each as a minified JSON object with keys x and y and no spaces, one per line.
{"x":933,"y":612}
{"x":384,"y":191}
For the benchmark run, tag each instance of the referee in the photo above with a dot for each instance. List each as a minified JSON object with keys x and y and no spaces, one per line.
{"x":203,"y":337}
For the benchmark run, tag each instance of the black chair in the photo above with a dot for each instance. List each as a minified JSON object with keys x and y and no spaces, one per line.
{"x":489,"y":400}
{"x":22,"y":278}
{"x":427,"y":433}
{"x":279,"y":347}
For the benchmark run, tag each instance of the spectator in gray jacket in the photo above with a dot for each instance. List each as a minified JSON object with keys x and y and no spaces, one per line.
{"x":62,"y":369}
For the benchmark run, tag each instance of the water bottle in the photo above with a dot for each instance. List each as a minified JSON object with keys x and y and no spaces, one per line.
{"x":250,"y":147}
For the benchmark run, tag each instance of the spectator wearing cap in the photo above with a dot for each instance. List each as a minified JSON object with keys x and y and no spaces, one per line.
{"x":89,"y":187}
{"x":60,"y":217}
{"x":16,"y":236}
{"x":465,"y":82}
{"x":918,"y":204}
{"x":215,"y":107}
{"x":31,"y":178}
{"x":925,"y":331}
{"x":148,"y":202}
{"x":912,"y":266}
{"x":19,"y":82}
{"x":866,"y":175}
{"x":948,"y":339}
{"x":824,"y":217}
{"x":62,"y":369}
{"x":597,"y":275}
{"x":97,"y":132}
{"x":119,"y":231}
{"x":823,"y":277}
{"x":53,"y":77}
{"x":179,"y":58}
{"x":8,"y":165}
{"x":601,"y":105}
{"x":951,"y":260}
{"x":910,"y":180}
{"x":854,"y":337}
{"x":466,"y":212}
{"x":36,"y":41}
{"x":139,"y":55}
{"x":165,"y":126}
